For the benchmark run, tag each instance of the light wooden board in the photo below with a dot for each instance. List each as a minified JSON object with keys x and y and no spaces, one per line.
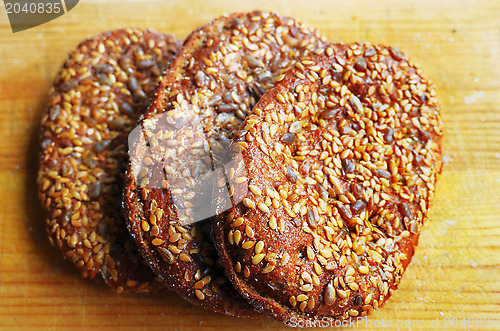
{"x":455,"y":273}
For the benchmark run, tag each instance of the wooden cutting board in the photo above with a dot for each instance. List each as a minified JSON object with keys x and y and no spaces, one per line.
{"x":454,"y":279}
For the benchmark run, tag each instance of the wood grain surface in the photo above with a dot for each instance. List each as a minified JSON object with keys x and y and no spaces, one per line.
{"x":454,"y":279}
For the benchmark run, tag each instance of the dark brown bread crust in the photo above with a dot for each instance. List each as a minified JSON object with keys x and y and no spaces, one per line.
{"x":221,"y":72}
{"x":341,"y":159}
{"x":97,"y":98}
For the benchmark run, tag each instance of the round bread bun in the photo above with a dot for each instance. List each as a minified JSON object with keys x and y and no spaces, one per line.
{"x":219,"y":75}
{"x":340,"y":160}
{"x":99,"y":94}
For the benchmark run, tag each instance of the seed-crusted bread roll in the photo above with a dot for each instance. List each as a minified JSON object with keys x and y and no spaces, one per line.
{"x":99,"y":94}
{"x":219,"y":75}
{"x":340,"y":162}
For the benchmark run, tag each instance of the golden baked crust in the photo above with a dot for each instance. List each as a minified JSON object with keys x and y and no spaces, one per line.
{"x":221,"y":72}
{"x":341,"y":159}
{"x":97,"y":97}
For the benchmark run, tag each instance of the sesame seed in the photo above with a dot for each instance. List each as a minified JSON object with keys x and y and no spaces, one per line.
{"x":353,"y":286}
{"x":272,"y":222}
{"x":185,"y":258}
{"x":237,"y":237}
{"x":248,"y":244}
{"x":172,"y":248}
{"x":255,"y":189}
{"x":259,"y":247}
{"x":268,"y":268}
{"x":353,"y":312}
{"x":364,"y":269}
{"x":157,"y":242}
{"x":240,"y":180}
{"x":237,"y":222}
{"x":249,"y":232}
{"x":368,"y":299}
{"x":258,"y":258}
{"x":310,"y":253}
{"x":262,"y":206}
{"x":246,"y":272}
{"x":174,"y":237}
{"x":317,"y":268}
{"x":249,"y":203}
{"x":306,"y":287}
{"x":302,"y":297}
{"x":199,"y":294}
{"x":306,"y":277}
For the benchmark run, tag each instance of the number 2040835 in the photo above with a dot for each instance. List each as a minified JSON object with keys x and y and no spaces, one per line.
{"x":470,"y":322}
{"x":33,"y":8}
